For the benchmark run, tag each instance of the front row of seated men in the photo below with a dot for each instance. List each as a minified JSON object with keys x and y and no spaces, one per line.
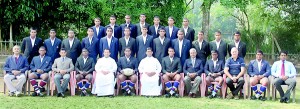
{"x":149,"y":68}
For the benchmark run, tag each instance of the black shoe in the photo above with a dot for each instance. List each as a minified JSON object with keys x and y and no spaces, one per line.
{"x":58,"y":94}
{"x":42,"y":89}
{"x":286,"y":100}
{"x":34,"y":94}
{"x":82,"y":93}
{"x":176,"y":95}
{"x":210,"y":96}
{"x":253,"y":98}
{"x":41,"y":94}
{"x":282,"y":99}
{"x":167,"y":95}
{"x":67,"y":90}
{"x":132,"y":94}
{"x":62,"y":95}
{"x":262,"y":98}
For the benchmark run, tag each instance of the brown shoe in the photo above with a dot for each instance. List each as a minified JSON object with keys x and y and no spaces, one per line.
{"x":194,"y":95}
{"x":229,"y":96}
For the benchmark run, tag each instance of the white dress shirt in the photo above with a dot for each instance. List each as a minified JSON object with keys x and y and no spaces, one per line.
{"x":71,"y":42}
{"x":180,"y":46}
{"x":32,"y":41}
{"x":108,"y":41}
{"x":170,"y":30}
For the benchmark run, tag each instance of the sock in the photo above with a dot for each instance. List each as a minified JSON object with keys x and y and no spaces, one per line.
{"x":254,"y":88}
{"x":168,"y":85}
{"x":131,"y":85}
{"x":262,"y":88}
{"x":175,"y":85}
{"x":43,"y":83}
{"x":35,"y":86}
{"x":211,"y":87}
{"x":218,"y":87}
{"x":80,"y":85}
{"x":87,"y":85}
{"x":123,"y":84}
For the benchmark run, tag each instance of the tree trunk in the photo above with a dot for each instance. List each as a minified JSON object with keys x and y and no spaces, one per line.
{"x":10,"y":36}
{"x":206,"y":16}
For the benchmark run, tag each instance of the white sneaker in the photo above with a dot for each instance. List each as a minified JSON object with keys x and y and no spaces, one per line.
{"x":213,"y":93}
{"x":18,"y":94}
{"x":172,"y":92}
{"x":257,"y":96}
{"x":11,"y":94}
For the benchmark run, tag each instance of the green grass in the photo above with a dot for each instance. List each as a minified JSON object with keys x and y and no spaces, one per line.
{"x":138,"y":102}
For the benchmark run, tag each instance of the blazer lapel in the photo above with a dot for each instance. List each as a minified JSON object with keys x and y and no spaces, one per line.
{"x":255,"y":64}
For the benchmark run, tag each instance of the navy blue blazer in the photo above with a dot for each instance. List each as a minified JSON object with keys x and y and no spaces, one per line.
{"x":184,"y":51}
{"x":131,"y":45}
{"x":152,"y":31}
{"x":101,"y":32}
{"x":117,"y":31}
{"x":161,"y":50}
{"x":253,"y":68}
{"x":209,"y":67}
{"x":174,"y":32}
{"x":133,"y":30}
{"x":93,"y":48}
{"x":45,"y":65}
{"x":141,"y":47}
{"x":114,"y":47}
{"x":52,"y":51}
{"x":10,"y":64}
{"x":73,"y":52}
{"x":123,"y":63}
{"x":188,"y":67}
{"x":28,"y":50}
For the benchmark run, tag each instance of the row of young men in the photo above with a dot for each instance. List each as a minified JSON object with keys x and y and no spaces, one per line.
{"x":150,"y":68}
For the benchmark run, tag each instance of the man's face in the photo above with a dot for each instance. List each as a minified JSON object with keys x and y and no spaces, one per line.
{"x":90,"y":32}
{"x":162,"y":32}
{"x":259,"y":56}
{"x":127,"y":19}
{"x":71,"y":34}
{"x":106,"y":53}
{"x":170,"y":21}
{"x":142,"y":18}
{"x":214,"y":56}
{"x":237,"y":37}
{"x":127,"y":52}
{"x":42,"y":51}
{"x":112,"y":20}
{"x":200,"y":35}
{"x":127,"y":32}
{"x":156,"y":21}
{"x":33,"y":33}
{"x":234,"y":53}
{"x":149,"y":53}
{"x":217,"y":36}
{"x":171,"y":52}
{"x":97,"y":22}
{"x":180,"y":35}
{"x":144,"y":31}
{"x":84,"y":53}
{"x":185,"y":22}
{"x":193,"y":54}
{"x":109,"y":32}
{"x":52,"y":33}
{"x":283,"y":56}
{"x":62,"y":53}
{"x":16,"y":50}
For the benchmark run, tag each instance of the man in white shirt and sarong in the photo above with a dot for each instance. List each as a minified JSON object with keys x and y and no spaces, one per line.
{"x":150,"y":69}
{"x":106,"y":68}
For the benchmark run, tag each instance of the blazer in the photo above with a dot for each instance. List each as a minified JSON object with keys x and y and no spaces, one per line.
{"x":45,"y":65}
{"x":123,"y":63}
{"x":131,"y":44}
{"x":152,"y":31}
{"x":190,"y":34}
{"x":28,"y":50}
{"x":184,"y":51}
{"x":241,"y":48}
{"x":52,"y":51}
{"x":10,"y":64}
{"x":209,"y":67}
{"x":188,"y":67}
{"x":254,"y":70}
{"x":60,"y":64}
{"x":113,"y":48}
{"x":89,"y":65}
{"x":141,"y":47}
{"x":202,"y":53}
{"x":161,"y":50}
{"x":93,"y":48}
{"x":132,"y":27}
{"x":117,"y":31}
{"x":73,"y":52}
{"x":168,"y":66}
{"x":222,"y":51}
{"x":138,"y":28}
{"x":101,"y":32}
{"x":174,"y":32}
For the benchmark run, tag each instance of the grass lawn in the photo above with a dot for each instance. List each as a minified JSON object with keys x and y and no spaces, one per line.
{"x":138,"y":102}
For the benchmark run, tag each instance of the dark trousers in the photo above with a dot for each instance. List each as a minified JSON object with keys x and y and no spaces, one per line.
{"x":235,"y":90}
{"x":291,"y":82}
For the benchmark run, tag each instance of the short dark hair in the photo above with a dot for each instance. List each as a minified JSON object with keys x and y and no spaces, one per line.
{"x":85,"y":49}
{"x":127,"y":48}
{"x":162,"y":28}
{"x":109,"y":28}
{"x":145,"y":27}
{"x":260,"y":51}
{"x":127,"y":28}
{"x":106,"y":49}
{"x":62,"y":49}
{"x":171,"y":48}
{"x":143,"y":14}
{"x":42,"y":47}
{"x":91,"y":29}
{"x":214,"y":51}
{"x":218,"y":32}
{"x":284,"y":52}
{"x":33,"y":28}
{"x":181,"y":30}
{"x":113,"y":16}
{"x":186,"y":19}
{"x":52,"y":30}
{"x":237,"y":32}
{"x":171,"y":18}
{"x":156,"y":17}
{"x":149,"y":48}
{"x":202,"y":32}
{"x":97,"y":18}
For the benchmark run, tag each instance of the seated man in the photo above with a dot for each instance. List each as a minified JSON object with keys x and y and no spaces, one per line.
{"x":127,"y":67}
{"x":214,"y":70}
{"x":150,"y":69}
{"x":284,"y":73}
{"x":105,"y":78}
{"x":192,"y":69}
{"x":171,"y":69}
{"x":234,"y":70}
{"x":62,"y":67}
{"x":84,"y":68}
{"x":14,"y":68}
{"x":39,"y":66}
{"x":259,"y":70}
